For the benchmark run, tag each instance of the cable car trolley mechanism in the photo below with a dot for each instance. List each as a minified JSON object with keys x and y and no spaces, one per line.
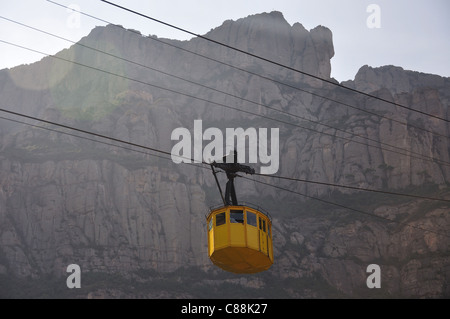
{"x":239,"y":236}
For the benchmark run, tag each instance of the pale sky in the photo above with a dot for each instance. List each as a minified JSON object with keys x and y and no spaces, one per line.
{"x":413,"y":34}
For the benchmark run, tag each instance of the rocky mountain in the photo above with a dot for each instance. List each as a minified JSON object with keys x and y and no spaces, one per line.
{"x":135,"y":223}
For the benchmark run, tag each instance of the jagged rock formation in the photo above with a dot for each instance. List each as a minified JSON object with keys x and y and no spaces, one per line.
{"x":135,"y":223}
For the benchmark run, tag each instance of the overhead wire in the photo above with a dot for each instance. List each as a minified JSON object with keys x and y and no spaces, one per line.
{"x":165,"y":153}
{"x":350,"y":187}
{"x":255,"y":74}
{"x":273,"y":62}
{"x":348,"y":208}
{"x":91,"y":139}
{"x":83,"y":131}
{"x":421,"y":157}
{"x":226,"y":93}
{"x":193,"y":160}
{"x":168,"y":153}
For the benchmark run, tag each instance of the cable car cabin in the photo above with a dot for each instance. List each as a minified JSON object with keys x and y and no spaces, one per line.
{"x":240,"y":239}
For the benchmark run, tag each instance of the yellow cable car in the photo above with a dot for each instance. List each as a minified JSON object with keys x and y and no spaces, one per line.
{"x":239,"y":236}
{"x":240,"y":239}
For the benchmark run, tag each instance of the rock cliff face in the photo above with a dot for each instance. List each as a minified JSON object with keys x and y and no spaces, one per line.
{"x":135,"y":223}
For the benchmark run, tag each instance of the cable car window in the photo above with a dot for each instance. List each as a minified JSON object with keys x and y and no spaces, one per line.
{"x":264,"y":225}
{"x":220,"y":219}
{"x":268,"y":230}
{"x":236,"y":216}
{"x":251,"y":219}
{"x":260,"y":223}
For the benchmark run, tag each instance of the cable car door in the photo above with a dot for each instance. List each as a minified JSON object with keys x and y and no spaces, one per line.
{"x":262,"y":235}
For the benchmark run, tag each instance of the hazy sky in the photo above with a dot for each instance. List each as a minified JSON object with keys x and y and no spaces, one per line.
{"x":413,"y":34}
